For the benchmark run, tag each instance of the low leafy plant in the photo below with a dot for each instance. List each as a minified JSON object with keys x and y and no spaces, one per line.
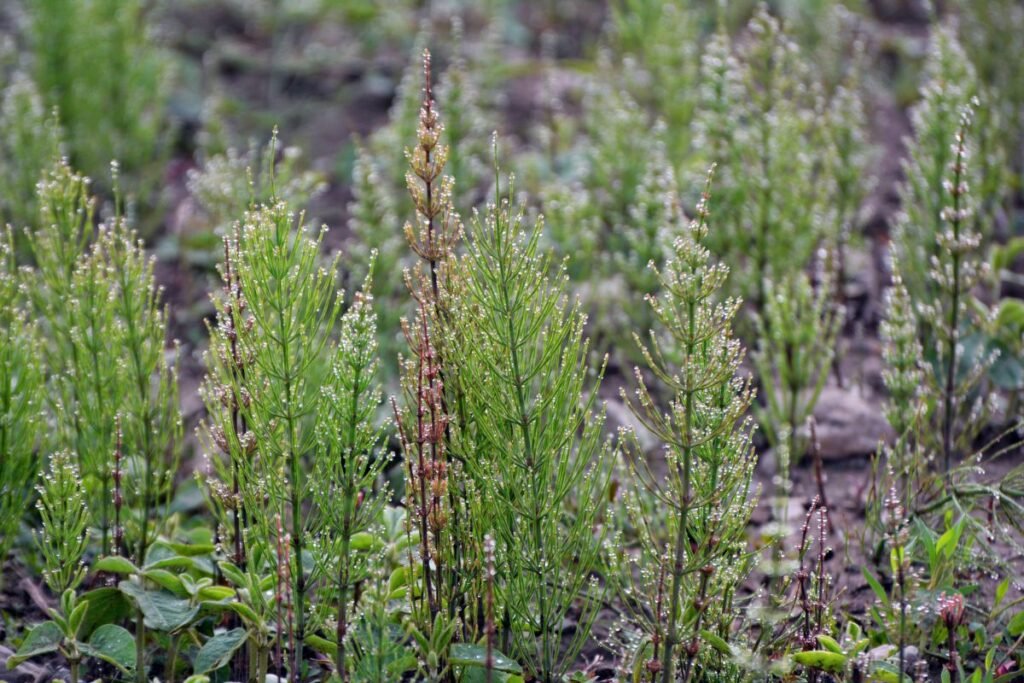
{"x":62,"y":543}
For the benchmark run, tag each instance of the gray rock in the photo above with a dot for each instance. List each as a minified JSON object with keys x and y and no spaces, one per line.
{"x":848,"y":425}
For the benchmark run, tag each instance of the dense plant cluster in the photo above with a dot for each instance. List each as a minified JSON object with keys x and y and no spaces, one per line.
{"x":520,"y":438}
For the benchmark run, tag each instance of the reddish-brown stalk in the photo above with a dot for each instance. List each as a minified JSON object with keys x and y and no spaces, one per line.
{"x":803,"y":576}
{"x":654,"y":663}
{"x":952,"y":611}
{"x":819,"y":469}
{"x":417,"y":459}
{"x":433,"y":239}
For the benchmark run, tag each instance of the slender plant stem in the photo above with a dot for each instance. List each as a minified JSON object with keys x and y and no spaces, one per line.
{"x":948,"y":398}
{"x":667,"y":657}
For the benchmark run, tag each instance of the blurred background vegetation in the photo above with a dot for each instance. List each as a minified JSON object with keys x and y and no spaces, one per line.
{"x":593,"y":103}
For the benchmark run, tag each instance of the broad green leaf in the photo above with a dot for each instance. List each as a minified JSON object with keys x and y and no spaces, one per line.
{"x":887,"y":675}
{"x":233,"y":574}
{"x":1010,"y":315}
{"x":192,"y":549}
{"x":76,"y":618}
{"x":398,"y":579}
{"x":858,"y":647}
{"x":830,"y":644}
{"x":244,"y":611}
{"x":322,"y":645}
{"x":162,"y":556}
{"x":467,"y":654}
{"x":949,"y":540}
{"x":1003,"y":255}
{"x":216,"y":593}
{"x":166,"y":579}
{"x":476,"y":674}
{"x":115,"y":564}
{"x":176,"y":562}
{"x":43,"y":638}
{"x":822,"y":659}
{"x":363,"y":541}
{"x":162,"y":610}
{"x":114,"y":645}
{"x":107,"y":605}
{"x":1016,"y":625}
{"x":217,"y":651}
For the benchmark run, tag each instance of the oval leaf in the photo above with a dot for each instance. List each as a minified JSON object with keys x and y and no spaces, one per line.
{"x":114,"y":645}
{"x":163,"y":611}
{"x":830,"y":644}
{"x":467,"y":654}
{"x":822,"y":659}
{"x":43,"y":638}
{"x":107,"y":605}
{"x":362,"y":541}
{"x":115,"y":564}
{"x":217,"y":651}
{"x":1016,"y":625}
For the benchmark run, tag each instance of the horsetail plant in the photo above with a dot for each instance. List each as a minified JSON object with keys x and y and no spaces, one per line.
{"x":435,"y":488}
{"x":294,"y":308}
{"x":796,"y":331}
{"x":778,"y":230}
{"x":348,"y":463}
{"x":105,"y":350}
{"x":98,"y":64}
{"x":30,"y":142}
{"x":226,"y":397}
{"x":537,"y":450}
{"x":954,"y":395}
{"x":717,"y":131}
{"x":709,"y":460}
{"x":150,"y":417}
{"x":371,"y":217}
{"x":903,"y":376}
{"x":948,"y":84}
{"x":63,"y":539}
{"x":62,"y":543}
{"x":22,"y":408}
{"x":953,"y":274}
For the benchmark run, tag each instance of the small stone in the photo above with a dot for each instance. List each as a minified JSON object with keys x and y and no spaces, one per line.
{"x":848,"y":425}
